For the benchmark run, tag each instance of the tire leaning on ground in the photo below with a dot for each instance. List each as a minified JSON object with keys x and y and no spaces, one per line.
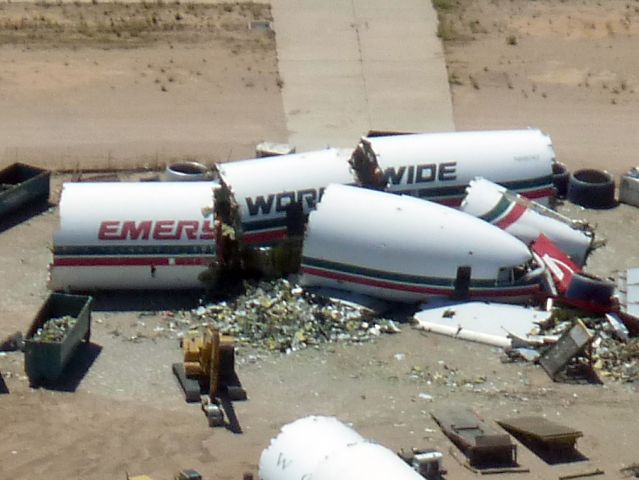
{"x":590,"y":289}
{"x":592,"y":188}
{"x":560,"y":176}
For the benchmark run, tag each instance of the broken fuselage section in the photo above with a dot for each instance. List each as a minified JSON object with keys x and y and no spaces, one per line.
{"x":154,"y":236}
{"x":264,"y":203}
{"x":133,"y":235}
{"x":404,"y":249}
{"x":262,"y":206}
{"x":439,"y":166}
{"x":526,"y":220}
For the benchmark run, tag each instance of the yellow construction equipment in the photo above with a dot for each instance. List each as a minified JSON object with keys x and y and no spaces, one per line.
{"x":209,"y":366}
{"x":209,"y":358}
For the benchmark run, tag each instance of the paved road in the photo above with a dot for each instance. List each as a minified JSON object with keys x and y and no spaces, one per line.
{"x":353,"y":65}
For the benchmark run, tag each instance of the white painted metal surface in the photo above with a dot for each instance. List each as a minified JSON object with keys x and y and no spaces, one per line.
{"x":270,"y":149}
{"x":629,"y":187}
{"x":526,"y":220}
{"x":439,"y":166}
{"x":302,"y":445}
{"x":132,"y":236}
{"x":628,"y":291}
{"x":323,"y":448}
{"x":489,"y":323}
{"x":364,"y":461}
{"x":263,"y":188}
{"x":405,"y":249}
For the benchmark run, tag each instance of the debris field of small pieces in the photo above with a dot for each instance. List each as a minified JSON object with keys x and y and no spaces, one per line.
{"x":279,"y":316}
{"x":612,"y":357}
{"x":55,"y":329}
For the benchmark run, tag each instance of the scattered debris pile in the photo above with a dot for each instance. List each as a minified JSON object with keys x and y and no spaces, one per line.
{"x":618,"y":360}
{"x":55,"y":329}
{"x":278,"y":316}
{"x":614,"y":355}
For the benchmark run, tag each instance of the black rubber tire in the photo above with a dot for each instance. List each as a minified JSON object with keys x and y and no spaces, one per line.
{"x":592,"y":188}
{"x":186,"y":172}
{"x":589,"y":289}
{"x":560,"y":177}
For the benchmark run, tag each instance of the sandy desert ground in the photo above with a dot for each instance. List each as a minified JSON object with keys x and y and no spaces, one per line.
{"x":122,"y":85}
{"x":569,"y":67}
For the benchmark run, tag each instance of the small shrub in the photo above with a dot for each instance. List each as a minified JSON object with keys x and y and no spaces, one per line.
{"x":454,"y":79}
{"x":443,"y":5}
{"x":446,"y":31}
{"x":476,"y":27}
{"x":473,"y":82}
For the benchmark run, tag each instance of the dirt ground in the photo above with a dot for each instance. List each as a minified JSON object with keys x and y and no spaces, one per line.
{"x":567,"y":67}
{"x":106,"y":85}
{"x":119,"y":408}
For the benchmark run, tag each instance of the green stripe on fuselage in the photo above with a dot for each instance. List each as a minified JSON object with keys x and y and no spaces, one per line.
{"x":391,"y":276}
{"x":497,"y":211}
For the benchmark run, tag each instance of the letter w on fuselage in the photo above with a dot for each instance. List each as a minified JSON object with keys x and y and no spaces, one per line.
{"x":261,"y":205}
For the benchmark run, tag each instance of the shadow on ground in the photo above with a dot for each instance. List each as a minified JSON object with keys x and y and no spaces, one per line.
{"x":578,"y":374}
{"x":144,"y":300}
{"x":549,"y":455}
{"x":79,"y":364}
{"x":24,"y":214}
{"x":3,"y":386}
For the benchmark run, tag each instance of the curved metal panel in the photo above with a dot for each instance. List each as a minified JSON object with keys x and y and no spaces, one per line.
{"x":406,"y":249}
{"x":438,"y":166}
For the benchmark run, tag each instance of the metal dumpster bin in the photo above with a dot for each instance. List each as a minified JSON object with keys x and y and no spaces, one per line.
{"x":45,"y":360}
{"x":21,"y":184}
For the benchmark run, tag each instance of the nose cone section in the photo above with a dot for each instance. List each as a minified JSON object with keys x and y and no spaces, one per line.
{"x":406,"y":235}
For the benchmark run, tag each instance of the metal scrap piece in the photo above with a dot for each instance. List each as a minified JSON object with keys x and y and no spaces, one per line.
{"x":479,"y":442}
{"x":570,"y":344}
{"x":55,"y":329}
{"x":591,"y":473}
{"x":542,"y":431}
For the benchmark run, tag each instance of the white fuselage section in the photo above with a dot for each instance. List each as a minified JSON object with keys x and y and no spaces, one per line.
{"x":133,"y":236}
{"x":405,"y":249}
{"x":439,"y":166}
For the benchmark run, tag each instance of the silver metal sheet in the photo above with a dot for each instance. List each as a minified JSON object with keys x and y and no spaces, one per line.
{"x":633,"y":309}
{"x":483,"y":322}
{"x":632,"y":276}
{"x":570,"y":344}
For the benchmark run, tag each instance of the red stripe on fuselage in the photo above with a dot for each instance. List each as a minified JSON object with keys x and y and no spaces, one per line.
{"x":130,"y":261}
{"x":533,"y":194}
{"x":265,"y":237}
{"x":496,"y":292}
{"x":515,"y":214}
